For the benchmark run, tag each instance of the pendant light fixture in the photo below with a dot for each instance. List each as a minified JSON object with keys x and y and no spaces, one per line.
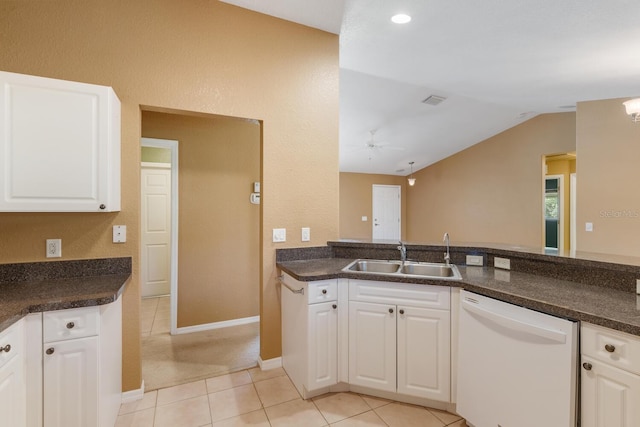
{"x":411,"y":179}
{"x":633,"y":109}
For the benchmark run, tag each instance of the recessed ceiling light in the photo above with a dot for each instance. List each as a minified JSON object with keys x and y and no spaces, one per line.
{"x":400,"y":18}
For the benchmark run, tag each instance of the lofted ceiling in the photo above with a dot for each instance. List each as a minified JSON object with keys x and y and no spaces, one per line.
{"x":496,"y":63}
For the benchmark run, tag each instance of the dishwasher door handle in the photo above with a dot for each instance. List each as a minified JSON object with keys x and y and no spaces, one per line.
{"x":515,"y":324}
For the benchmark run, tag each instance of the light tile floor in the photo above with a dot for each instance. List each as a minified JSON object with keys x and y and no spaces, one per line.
{"x":155,"y":315}
{"x":268,"y":399}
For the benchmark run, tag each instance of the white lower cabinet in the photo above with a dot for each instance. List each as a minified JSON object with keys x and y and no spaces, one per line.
{"x":424,"y":353}
{"x":13,"y":411}
{"x":71,"y":382}
{"x":366,"y":335}
{"x":610,"y":379}
{"x":75,"y":373}
{"x":372,"y":345}
{"x":310,"y":334}
{"x":397,"y":344}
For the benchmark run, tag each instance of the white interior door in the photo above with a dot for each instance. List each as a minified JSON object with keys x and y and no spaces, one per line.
{"x":386,"y":212}
{"x":155,"y":271}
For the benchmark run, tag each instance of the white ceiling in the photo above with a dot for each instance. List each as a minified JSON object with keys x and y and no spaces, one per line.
{"x":497,"y":62}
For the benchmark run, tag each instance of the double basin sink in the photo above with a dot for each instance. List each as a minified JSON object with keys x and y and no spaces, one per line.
{"x":423,"y":270}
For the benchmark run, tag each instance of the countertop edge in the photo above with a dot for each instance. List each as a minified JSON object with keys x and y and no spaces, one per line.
{"x":76,"y":301}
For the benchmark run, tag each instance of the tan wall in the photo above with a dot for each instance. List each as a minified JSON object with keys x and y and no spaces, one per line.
{"x":492,"y":191}
{"x":356,"y":201}
{"x":219,"y":160}
{"x":195,"y":55}
{"x":607,"y":176}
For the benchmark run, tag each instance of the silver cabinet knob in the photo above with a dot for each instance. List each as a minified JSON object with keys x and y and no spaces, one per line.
{"x":6,"y":348}
{"x":401,"y":311}
{"x":103,"y":207}
{"x":334,"y":306}
{"x":587,"y":366}
{"x":324,"y":291}
{"x":50,"y":351}
{"x":610,"y":348}
{"x":391,"y":310}
{"x":70,"y":325}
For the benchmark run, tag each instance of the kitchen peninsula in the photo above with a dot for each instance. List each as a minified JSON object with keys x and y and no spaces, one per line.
{"x":593,"y":291}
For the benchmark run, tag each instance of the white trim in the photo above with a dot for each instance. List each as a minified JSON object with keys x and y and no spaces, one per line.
{"x":173,"y":146}
{"x":266,"y":365}
{"x":217,"y":325}
{"x":133,"y":395}
{"x":156,"y":165}
{"x":572,"y":212}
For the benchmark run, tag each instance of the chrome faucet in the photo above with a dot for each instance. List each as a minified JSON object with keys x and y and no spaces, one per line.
{"x":403,"y":252}
{"x":447,"y":257}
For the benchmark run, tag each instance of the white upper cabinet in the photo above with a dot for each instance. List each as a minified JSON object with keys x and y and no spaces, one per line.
{"x":59,"y":146}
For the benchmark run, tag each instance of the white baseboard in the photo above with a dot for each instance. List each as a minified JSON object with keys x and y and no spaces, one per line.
{"x":133,"y":395}
{"x":217,"y":325}
{"x":274,"y":363}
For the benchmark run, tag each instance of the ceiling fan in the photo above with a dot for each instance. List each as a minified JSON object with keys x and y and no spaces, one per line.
{"x":373,"y":147}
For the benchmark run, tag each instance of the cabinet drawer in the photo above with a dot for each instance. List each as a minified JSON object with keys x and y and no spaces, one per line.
{"x":72,"y":323}
{"x":613,"y":347}
{"x":13,"y":337}
{"x":322,"y":291}
{"x":407,"y":294}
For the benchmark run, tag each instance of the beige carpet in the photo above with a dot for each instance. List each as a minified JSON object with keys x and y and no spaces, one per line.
{"x":170,"y":360}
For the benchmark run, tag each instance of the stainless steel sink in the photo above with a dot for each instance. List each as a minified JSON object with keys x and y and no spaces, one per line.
{"x":373,"y":266}
{"x":435,"y":270}
{"x":424,"y":270}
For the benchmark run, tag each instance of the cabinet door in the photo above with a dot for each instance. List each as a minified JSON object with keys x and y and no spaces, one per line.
{"x":60,"y":145}
{"x":424,"y":353}
{"x":13,"y":393}
{"x":322,"y":345}
{"x":610,"y":396}
{"x":372,"y":345}
{"x":71,"y":383}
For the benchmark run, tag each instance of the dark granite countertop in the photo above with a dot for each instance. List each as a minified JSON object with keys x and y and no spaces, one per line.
{"x":36,"y":287}
{"x":612,"y":308}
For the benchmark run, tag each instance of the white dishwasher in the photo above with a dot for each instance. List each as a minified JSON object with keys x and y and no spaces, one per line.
{"x":516,"y":367}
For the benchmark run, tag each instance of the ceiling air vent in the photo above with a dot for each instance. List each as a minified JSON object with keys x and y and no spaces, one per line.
{"x":433,"y":100}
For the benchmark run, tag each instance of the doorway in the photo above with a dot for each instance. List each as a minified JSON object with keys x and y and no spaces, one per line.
{"x":159,"y":224}
{"x":554,"y":214}
{"x":215,"y":305}
{"x":386,"y":212}
{"x":558,"y":203}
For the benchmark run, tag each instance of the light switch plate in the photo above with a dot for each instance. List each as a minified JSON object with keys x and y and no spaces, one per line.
{"x":588,"y":226}
{"x":119,"y":233}
{"x":504,"y":263}
{"x":306,"y":234}
{"x":279,"y":235}
{"x":364,"y":218}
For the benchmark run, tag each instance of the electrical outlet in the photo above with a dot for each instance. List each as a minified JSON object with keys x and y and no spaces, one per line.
{"x":306,"y":234}
{"x":54,"y":248}
{"x":476,"y":260}
{"x":504,"y":263}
